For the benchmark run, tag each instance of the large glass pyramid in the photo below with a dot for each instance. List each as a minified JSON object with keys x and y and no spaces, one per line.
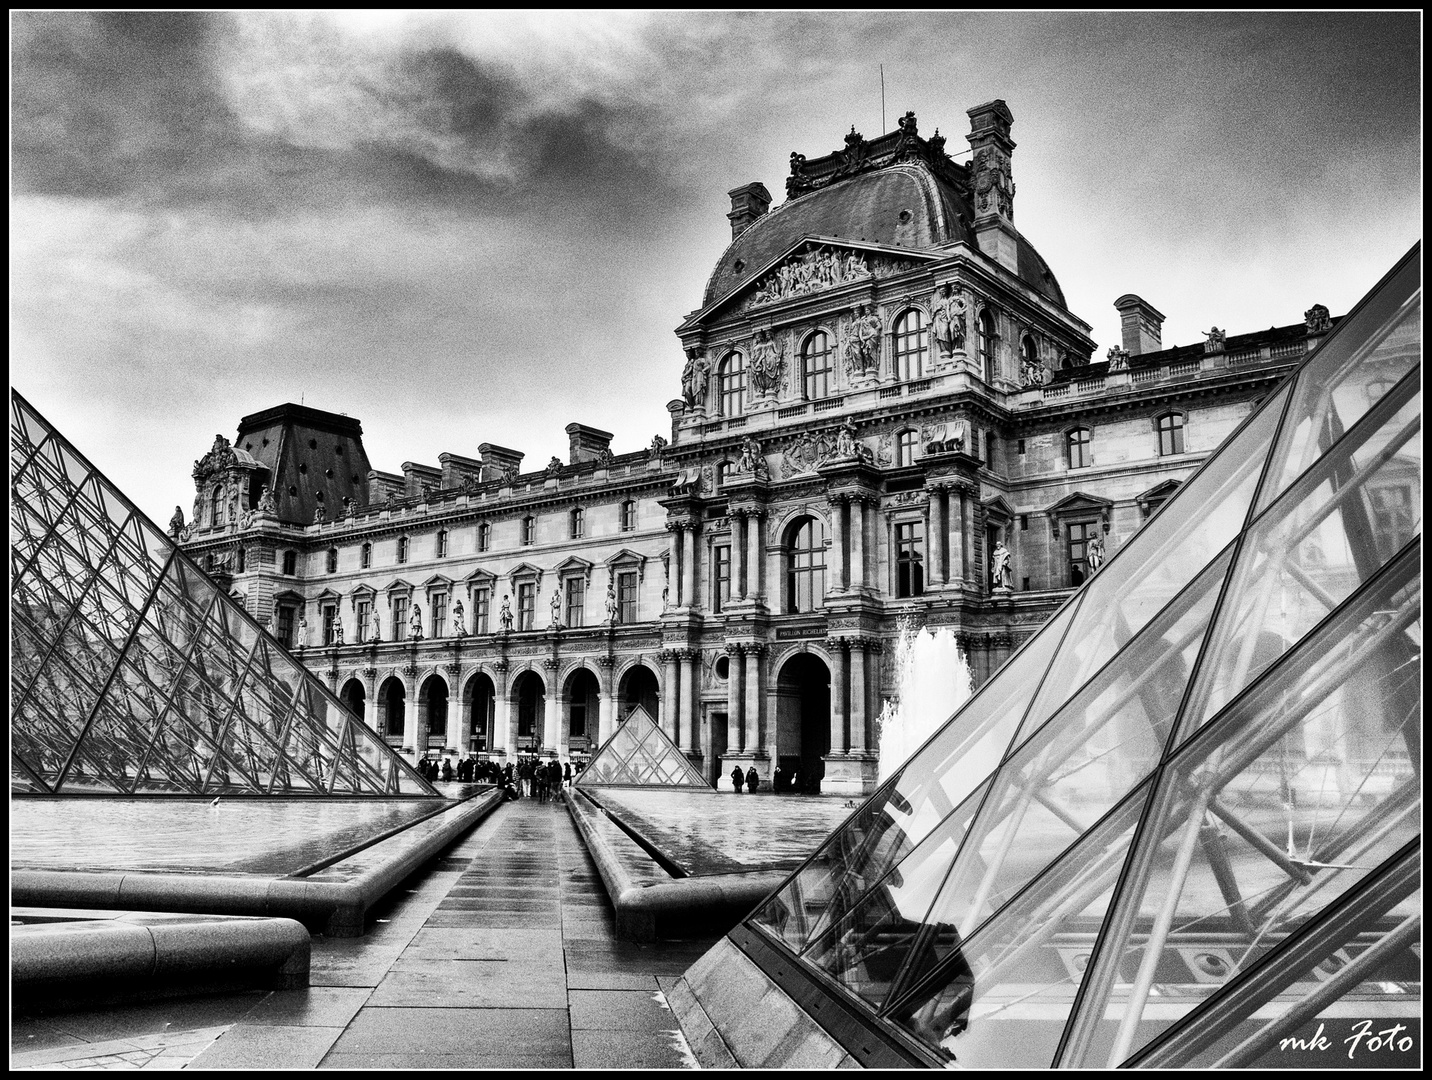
{"x":640,"y":754}
{"x":1182,"y":823}
{"x":134,"y":673}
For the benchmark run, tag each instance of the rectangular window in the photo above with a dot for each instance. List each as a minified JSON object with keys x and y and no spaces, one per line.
{"x":402,"y":549}
{"x":330,"y":618}
{"x":526,"y":605}
{"x":400,"y":618}
{"x":1170,"y":434}
{"x":629,"y":515}
{"x":366,"y":559}
{"x":626,"y":597}
{"x":484,"y":536}
{"x":333,"y":560}
{"x":240,"y":561}
{"x":910,"y":559}
{"x":1023,"y":522}
{"x":285,"y":626}
{"x":442,"y":543}
{"x":576,"y":612}
{"x":529,"y":530}
{"x":365,"y":614}
{"x":579,"y":523}
{"x":1080,"y":442}
{"x":1026,"y":584}
{"x":481,"y":607}
{"x":1079,"y":536}
{"x":439,"y":606}
{"x":290,"y":562}
{"x":1020,"y":447}
{"x":721,"y":576}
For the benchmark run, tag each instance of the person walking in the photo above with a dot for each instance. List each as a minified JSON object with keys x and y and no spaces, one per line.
{"x":736,"y":778}
{"x":752,"y":780}
{"x":567,"y":774}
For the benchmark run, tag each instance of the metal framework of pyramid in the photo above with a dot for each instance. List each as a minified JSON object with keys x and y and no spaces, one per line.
{"x":1182,"y":823}
{"x":640,"y":754}
{"x":133,"y":673}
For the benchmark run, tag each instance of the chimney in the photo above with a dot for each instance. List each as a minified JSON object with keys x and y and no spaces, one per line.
{"x":586,"y":443}
{"x":1143,"y":324}
{"x":992,"y":182}
{"x":497,"y":461}
{"x":748,"y":202}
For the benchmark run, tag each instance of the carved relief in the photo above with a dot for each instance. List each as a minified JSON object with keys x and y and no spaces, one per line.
{"x":993,"y":181}
{"x":948,"y":315}
{"x":817,"y":270}
{"x":768,"y":364}
{"x":694,"y":379}
{"x":860,"y":343}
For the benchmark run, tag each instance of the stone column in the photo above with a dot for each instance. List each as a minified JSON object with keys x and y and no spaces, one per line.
{"x":960,"y":549}
{"x":752,"y":716}
{"x":839,"y":544}
{"x":738,"y":555}
{"x":937,"y":531}
{"x":606,"y":699}
{"x":857,"y":542}
{"x":675,"y":551}
{"x":859,"y":697}
{"x":755,"y":553}
{"x":504,"y":720}
{"x":412,"y":737}
{"x":688,"y":564}
{"x":690,"y":702}
{"x":552,"y":720}
{"x":735,"y":696}
{"x":839,"y":689}
{"x":454,"y":741}
{"x":671,"y":700}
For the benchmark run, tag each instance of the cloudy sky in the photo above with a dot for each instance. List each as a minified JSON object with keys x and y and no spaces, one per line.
{"x":480,"y":227}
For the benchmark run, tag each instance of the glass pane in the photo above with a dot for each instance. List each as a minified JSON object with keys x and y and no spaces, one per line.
{"x":1312,"y":549}
{"x":1160,"y":560}
{"x":1000,"y":999}
{"x":937,"y":779}
{"x":1368,"y":353}
{"x":1281,"y":804}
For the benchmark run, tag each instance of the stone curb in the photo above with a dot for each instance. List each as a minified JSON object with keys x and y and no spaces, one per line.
{"x":680,"y":907}
{"x":338,"y":908}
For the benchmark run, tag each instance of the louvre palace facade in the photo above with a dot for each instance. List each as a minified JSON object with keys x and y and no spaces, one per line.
{"x":887,"y":416}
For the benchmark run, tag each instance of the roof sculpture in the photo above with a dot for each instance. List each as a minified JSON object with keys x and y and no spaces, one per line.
{"x":133,"y":672}
{"x":1182,"y":823}
{"x":640,"y":754}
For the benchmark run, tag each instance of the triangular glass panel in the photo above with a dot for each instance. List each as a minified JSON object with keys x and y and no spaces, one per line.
{"x":639,"y":754}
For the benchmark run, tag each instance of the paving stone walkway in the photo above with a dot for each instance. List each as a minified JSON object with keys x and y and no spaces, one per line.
{"x":503,"y":954}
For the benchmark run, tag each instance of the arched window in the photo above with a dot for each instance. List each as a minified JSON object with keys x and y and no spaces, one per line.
{"x":484,"y":536}
{"x":216,"y":508}
{"x":1029,"y":351}
{"x":1170,"y":429}
{"x":442,"y":544}
{"x":402,"y":549}
{"x":805,"y":565}
{"x":912,"y":344}
{"x":529,"y":529}
{"x":578,"y":523}
{"x":1080,"y":442}
{"x":905,"y":444}
{"x":331,"y":563}
{"x":366,"y":556}
{"x":732,"y":381}
{"x":816,"y":365}
{"x":988,"y":363}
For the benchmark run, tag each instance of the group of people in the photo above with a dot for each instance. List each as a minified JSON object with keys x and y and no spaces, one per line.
{"x":782,"y":781}
{"x":540,"y":779}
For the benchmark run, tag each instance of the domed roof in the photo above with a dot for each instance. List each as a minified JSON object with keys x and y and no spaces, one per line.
{"x":903,"y":203}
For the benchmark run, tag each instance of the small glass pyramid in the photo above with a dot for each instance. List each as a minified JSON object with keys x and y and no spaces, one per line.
{"x":1182,"y":824}
{"x":640,"y":754}
{"x":134,"y":673}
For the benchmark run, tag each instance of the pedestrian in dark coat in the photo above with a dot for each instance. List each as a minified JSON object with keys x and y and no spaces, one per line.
{"x":736,"y":778}
{"x":447,"y":769}
{"x":752,"y":780}
{"x":567,"y":774}
{"x":778,"y":780}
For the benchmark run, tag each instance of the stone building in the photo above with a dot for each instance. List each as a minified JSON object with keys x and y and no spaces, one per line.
{"x":887,"y":413}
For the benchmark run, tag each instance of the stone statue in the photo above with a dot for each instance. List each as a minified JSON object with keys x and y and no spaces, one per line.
{"x":1031,"y":372}
{"x":611,"y":602}
{"x":752,"y":460}
{"x":605,"y":456}
{"x":302,"y":631}
{"x":350,"y":508}
{"x":319,"y":517}
{"x":767,"y":364}
{"x":377,"y":632}
{"x":554,"y":466}
{"x":1118,"y":359}
{"x":337,"y":630}
{"x":176,"y":523}
{"x":908,"y":125}
{"x":658,"y":444}
{"x":693,"y":379}
{"x":845,"y":442}
{"x":459,"y":628}
{"x":504,"y":617}
{"x":1001,"y":572}
{"x":198,"y":509}
{"x":556,"y":607}
{"x":266,"y":501}
{"x":415,"y":623}
{"x":666,"y":596}
{"x":1318,"y":319}
{"x":1216,"y":338}
{"x":862,"y":346}
{"x":233,"y":507}
{"x":1094,"y":553}
{"x":947,"y":319}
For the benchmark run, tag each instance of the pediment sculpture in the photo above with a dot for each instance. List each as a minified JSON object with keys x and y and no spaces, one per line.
{"x":816,"y":270}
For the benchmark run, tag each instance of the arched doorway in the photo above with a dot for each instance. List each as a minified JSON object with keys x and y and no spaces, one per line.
{"x":803,"y":718}
{"x":433,"y":712}
{"x":392,"y":709}
{"x":354,"y":697}
{"x":479,"y":700}
{"x":638,"y":687}
{"x":583,"y":704}
{"x":529,"y":697}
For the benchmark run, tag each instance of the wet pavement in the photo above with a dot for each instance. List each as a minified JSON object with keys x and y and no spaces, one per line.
{"x":502,"y":953}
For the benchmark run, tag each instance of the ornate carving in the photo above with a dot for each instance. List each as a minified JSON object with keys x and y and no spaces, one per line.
{"x":459,"y":627}
{"x":605,"y":456}
{"x":504,"y":617}
{"x":501,"y":665}
{"x":993,"y":181}
{"x":554,"y":466}
{"x":808,"y":452}
{"x":654,"y":451}
{"x":1094,"y":552}
{"x":752,"y":460}
{"x":319,"y":516}
{"x":948,"y":314}
{"x":1216,"y":338}
{"x":768,"y":364}
{"x":607,"y":662}
{"x":415,"y":623}
{"x":861,"y":345}
{"x":1001,"y":571}
{"x":1318,"y":319}
{"x":1118,"y":359}
{"x":812,"y":272}
{"x":176,"y":523}
{"x":220,"y":456}
{"x":550,"y":663}
{"x":885,"y":450}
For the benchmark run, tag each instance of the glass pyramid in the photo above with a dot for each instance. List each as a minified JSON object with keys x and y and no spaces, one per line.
{"x":640,"y":754}
{"x":1182,"y":823}
{"x":133,"y":673}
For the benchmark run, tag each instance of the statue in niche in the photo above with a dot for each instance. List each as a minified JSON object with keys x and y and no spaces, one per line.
{"x":176,"y":523}
{"x":198,"y":508}
{"x":1001,"y":571}
{"x":459,"y":627}
{"x":947,"y":318}
{"x":415,"y":623}
{"x":504,"y":617}
{"x":377,"y":631}
{"x":693,"y":379}
{"x":611,"y":603}
{"x":1031,"y":372}
{"x":1094,"y":553}
{"x":556,"y":607}
{"x":862,"y":344}
{"x":767,"y":364}
{"x":234,"y":507}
